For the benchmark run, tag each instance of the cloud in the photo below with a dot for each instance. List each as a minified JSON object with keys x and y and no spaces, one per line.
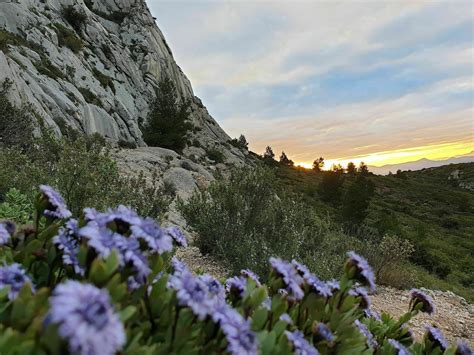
{"x":333,"y":78}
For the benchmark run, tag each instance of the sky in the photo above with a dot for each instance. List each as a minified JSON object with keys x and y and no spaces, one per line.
{"x":383,"y":82}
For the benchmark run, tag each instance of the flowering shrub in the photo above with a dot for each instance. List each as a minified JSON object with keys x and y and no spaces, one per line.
{"x":107,"y":283}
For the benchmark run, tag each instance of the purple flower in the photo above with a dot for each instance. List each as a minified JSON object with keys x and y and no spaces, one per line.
{"x":85,"y":319}
{"x":7,"y":229}
{"x":178,"y":237}
{"x":56,"y":207}
{"x":323,"y":333}
{"x":67,"y":241}
{"x":372,"y":314}
{"x":302,"y":269}
{"x":419,"y":297}
{"x":214,"y":287}
{"x":300,"y":344}
{"x":157,"y":240}
{"x":178,"y":265}
{"x":319,"y":287}
{"x":286,"y":318}
{"x":361,"y":293}
{"x":236,"y":286}
{"x":14,"y":276}
{"x":130,"y":254}
{"x":436,"y":337}
{"x":399,"y":348}
{"x":463,"y":348}
{"x":100,"y":238}
{"x":240,"y":338}
{"x":366,"y":333}
{"x":363,"y":271}
{"x":251,"y":275}
{"x":192,"y":292}
{"x":290,"y":276}
{"x":333,"y":285}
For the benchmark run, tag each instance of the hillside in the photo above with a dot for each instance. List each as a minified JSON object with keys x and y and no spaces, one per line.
{"x":427,"y":207}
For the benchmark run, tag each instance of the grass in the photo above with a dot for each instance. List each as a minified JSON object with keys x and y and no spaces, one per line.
{"x":423,"y":207}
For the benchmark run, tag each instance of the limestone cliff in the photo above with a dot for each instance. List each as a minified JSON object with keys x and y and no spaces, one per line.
{"x":93,"y":65}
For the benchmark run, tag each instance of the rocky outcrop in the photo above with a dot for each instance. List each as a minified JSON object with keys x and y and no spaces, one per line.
{"x":93,"y":65}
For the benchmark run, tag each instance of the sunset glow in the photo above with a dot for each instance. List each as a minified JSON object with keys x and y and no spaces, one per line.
{"x":432,"y":152}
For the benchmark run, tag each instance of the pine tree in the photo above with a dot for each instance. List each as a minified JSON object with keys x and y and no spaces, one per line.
{"x":167,"y":124}
{"x":318,"y":164}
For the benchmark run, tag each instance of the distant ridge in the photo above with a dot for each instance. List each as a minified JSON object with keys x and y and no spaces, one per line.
{"x":421,"y":164}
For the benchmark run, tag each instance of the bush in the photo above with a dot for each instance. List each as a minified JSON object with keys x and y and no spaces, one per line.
{"x":75,"y":18}
{"x":105,"y":81}
{"x":16,"y":207}
{"x":16,"y":124}
{"x":167,"y":124}
{"x":10,"y":39}
{"x":68,"y":38}
{"x":90,"y":97}
{"x":83,"y":171}
{"x":243,"y":221}
{"x":215,"y":155}
{"x":134,"y":299}
{"x":45,"y":67}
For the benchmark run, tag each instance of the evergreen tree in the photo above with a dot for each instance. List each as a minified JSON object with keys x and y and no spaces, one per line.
{"x":356,"y":200}
{"x":167,"y":124}
{"x":318,"y":164}
{"x":285,"y":160}
{"x":351,"y":168}
{"x":269,"y":155}
{"x":363,"y":169}
{"x":243,"y":142}
{"x":330,"y":186}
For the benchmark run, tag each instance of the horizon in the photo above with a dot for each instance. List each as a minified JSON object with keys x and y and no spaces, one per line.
{"x":346,"y":81}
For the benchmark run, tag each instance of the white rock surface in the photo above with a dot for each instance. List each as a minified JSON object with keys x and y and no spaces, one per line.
{"x":132,"y":52}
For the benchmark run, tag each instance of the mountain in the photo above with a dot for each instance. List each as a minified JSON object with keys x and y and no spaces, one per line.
{"x":421,"y":164}
{"x":93,"y":66}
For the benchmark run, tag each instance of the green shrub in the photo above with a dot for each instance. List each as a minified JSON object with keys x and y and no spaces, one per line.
{"x":16,"y":207}
{"x":16,"y":124}
{"x":10,"y":39}
{"x":215,"y":155}
{"x":45,"y":67}
{"x":243,"y":221}
{"x":114,"y":16}
{"x":75,"y":18}
{"x":90,"y":97}
{"x":167,"y":124}
{"x":68,"y":38}
{"x":105,"y":80}
{"x":83,"y":171}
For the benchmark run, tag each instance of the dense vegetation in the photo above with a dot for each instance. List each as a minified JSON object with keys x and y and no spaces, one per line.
{"x":247,"y":218}
{"x":423,"y":207}
{"x":105,"y":283}
{"x":167,"y":124}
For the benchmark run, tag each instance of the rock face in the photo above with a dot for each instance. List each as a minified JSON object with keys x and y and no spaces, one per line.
{"x":93,"y":65}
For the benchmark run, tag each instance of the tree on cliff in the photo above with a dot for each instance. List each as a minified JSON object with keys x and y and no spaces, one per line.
{"x":167,"y":124}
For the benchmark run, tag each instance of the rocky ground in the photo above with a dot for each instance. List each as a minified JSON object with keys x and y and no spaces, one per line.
{"x":454,"y":315}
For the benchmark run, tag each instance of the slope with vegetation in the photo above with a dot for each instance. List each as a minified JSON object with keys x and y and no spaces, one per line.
{"x":427,"y":208}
